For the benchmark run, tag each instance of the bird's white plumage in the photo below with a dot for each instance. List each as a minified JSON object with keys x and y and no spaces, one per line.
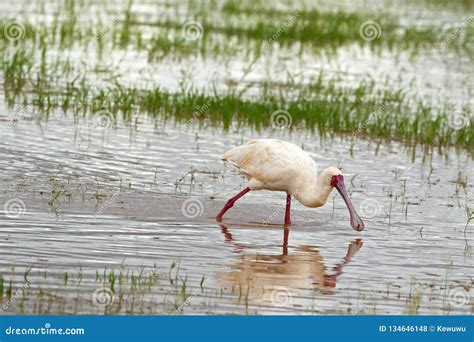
{"x":273,"y":164}
{"x":277,"y":165}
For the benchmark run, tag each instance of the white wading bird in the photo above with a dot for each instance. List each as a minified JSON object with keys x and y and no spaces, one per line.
{"x":276,"y":165}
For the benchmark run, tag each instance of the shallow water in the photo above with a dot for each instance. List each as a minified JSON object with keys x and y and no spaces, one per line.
{"x":87,"y":207}
{"x":413,"y":247}
{"x":434,"y":75}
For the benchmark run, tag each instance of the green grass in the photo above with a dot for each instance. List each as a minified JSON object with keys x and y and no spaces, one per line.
{"x":321,"y":106}
{"x":128,"y":290}
{"x":255,"y":27}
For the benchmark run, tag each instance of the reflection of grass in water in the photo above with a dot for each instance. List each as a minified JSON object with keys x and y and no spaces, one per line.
{"x":413,"y":301}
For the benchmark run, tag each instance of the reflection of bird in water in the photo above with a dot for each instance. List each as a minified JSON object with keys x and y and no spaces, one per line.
{"x":276,"y":279}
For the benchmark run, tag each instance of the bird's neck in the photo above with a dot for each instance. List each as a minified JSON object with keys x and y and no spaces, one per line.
{"x":315,"y":194}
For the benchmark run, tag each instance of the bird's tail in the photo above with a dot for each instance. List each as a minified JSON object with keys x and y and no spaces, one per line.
{"x":240,"y":156}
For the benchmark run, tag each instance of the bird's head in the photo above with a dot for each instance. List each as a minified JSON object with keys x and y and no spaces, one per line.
{"x":336,"y":179}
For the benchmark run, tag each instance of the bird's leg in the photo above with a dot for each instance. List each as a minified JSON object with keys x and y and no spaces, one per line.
{"x":230,"y":203}
{"x":287,"y":211}
{"x":286,"y":232}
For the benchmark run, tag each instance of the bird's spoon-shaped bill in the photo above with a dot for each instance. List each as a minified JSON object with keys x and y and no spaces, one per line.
{"x":356,"y":221}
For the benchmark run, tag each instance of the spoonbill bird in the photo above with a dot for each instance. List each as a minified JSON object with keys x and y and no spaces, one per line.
{"x":277,"y":165}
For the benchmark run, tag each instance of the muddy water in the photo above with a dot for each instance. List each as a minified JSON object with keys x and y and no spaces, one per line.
{"x":139,"y":200}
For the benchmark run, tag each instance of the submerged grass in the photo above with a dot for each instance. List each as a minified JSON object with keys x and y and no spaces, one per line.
{"x":322,"y":105}
{"x":227,"y":27}
{"x":120,"y":290}
{"x":314,"y":29}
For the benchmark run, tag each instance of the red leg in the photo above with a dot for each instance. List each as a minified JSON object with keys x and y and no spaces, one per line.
{"x":287,"y":212}
{"x":230,"y":203}
{"x":286,"y":232}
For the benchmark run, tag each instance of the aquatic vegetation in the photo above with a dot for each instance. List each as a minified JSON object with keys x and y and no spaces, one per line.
{"x":16,"y":69}
{"x":322,"y":105}
{"x":124,"y":289}
{"x":111,"y":93}
{"x":359,"y":112}
{"x":232,"y":25}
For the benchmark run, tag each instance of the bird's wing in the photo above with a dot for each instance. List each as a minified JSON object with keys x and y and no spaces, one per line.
{"x":268,"y":160}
